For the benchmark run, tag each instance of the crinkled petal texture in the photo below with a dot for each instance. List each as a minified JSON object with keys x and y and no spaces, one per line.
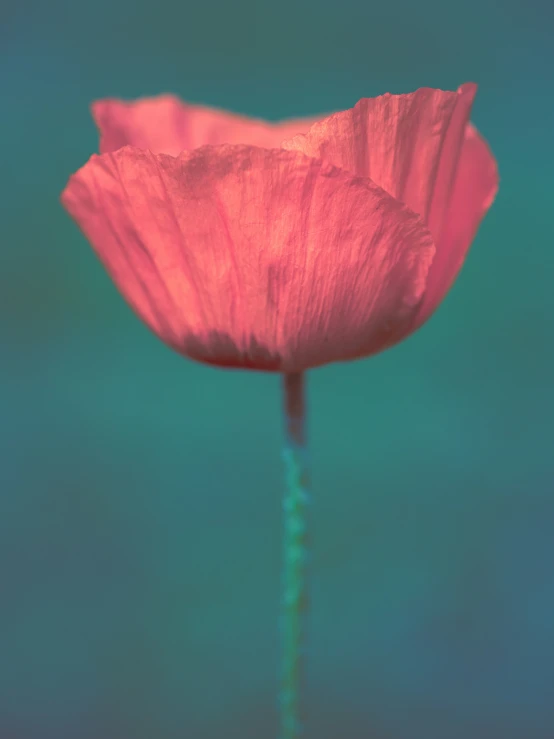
{"x":247,"y":257}
{"x":422,"y":150}
{"x":167,"y":125}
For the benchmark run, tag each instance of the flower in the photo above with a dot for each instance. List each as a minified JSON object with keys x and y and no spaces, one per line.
{"x":285,"y":246}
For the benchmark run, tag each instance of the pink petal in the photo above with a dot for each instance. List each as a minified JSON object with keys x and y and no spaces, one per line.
{"x":407,"y":144}
{"x":474,"y":190}
{"x":247,"y":257}
{"x":165,"y":124}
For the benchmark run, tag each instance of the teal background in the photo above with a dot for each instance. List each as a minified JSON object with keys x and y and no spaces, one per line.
{"x":140,"y":493}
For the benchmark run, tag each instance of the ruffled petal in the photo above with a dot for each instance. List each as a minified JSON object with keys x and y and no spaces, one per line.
{"x":475,"y":188}
{"x":167,"y":125}
{"x":407,"y":144}
{"x":248,"y":257}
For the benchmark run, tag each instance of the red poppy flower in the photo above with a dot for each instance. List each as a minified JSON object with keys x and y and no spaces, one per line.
{"x":284,"y":246}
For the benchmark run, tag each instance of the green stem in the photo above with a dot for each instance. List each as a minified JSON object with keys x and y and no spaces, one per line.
{"x":295,"y":600}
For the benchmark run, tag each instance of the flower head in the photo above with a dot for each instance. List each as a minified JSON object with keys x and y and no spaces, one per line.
{"x":284,"y":246}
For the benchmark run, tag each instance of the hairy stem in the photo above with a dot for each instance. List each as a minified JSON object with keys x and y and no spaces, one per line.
{"x":295,"y":601}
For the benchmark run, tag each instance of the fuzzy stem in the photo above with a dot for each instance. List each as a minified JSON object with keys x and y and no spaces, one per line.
{"x":294,"y":604}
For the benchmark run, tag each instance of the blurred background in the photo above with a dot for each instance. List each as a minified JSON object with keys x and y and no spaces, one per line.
{"x":140,"y":520}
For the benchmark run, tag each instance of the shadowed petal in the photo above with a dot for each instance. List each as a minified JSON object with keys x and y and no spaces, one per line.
{"x":167,"y":125}
{"x":474,"y":190}
{"x":247,"y":257}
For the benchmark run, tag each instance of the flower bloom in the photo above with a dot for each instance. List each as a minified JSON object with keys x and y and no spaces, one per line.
{"x":286,"y":246}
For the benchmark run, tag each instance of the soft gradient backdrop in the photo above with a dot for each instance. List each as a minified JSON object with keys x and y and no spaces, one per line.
{"x":140,"y":493}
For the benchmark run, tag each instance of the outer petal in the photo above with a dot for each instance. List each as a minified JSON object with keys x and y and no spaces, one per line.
{"x":407,"y":144}
{"x":165,"y":124}
{"x":474,"y":190}
{"x":246,"y":257}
